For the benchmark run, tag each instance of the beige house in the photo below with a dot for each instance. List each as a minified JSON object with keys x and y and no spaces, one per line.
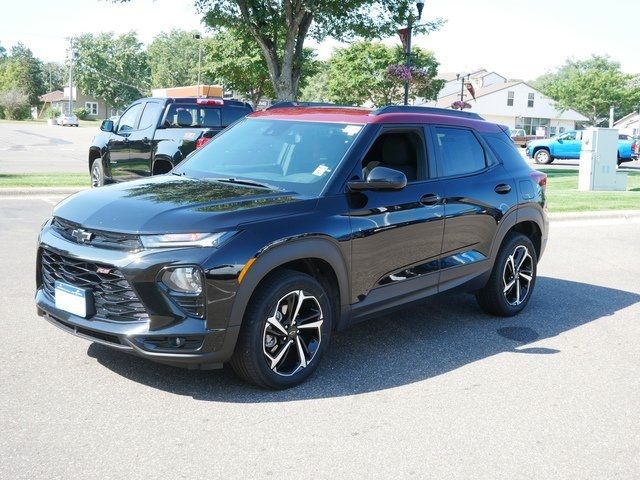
{"x":96,"y":107}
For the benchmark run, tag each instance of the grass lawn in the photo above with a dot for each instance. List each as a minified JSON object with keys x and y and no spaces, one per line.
{"x":563,"y":194}
{"x":22,"y":180}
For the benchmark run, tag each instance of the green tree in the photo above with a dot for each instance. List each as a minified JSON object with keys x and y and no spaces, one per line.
{"x":237,"y":62}
{"x":317,"y":87}
{"x":54,"y":76}
{"x":280,"y":27}
{"x":591,"y":87}
{"x":360,"y":73}
{"x":111,"y":67}
{"x":173,"y":60}
{"x":22,"y":71}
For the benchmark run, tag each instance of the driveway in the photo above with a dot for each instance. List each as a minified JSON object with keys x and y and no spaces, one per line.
{"x":41,"y":148}
{"x":434,"y":391}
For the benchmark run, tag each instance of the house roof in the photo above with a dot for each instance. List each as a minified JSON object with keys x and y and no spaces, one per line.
{"x":55,"y":96}
{"x":480,"y":92}
{"x":451,"y":76}
{"x":626,"y":118}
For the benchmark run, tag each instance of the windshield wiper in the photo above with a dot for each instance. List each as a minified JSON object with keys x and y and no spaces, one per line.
{"x":243,"y":181}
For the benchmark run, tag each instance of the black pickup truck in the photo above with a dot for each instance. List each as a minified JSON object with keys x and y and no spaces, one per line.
{"x":155,"y":134}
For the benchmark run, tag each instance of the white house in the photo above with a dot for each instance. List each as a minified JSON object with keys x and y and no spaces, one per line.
{"x":629,"y":124}
{"x":509,"y":102}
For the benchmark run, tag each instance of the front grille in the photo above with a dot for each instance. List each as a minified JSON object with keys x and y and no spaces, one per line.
{"x":114,"y":298}
{"x":99,"y":238}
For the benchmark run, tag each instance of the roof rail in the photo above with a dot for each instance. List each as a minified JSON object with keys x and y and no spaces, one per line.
{"x":432,"y":110}
{"x":303,"y":104}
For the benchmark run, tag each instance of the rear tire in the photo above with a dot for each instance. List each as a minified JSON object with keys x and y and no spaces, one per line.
{"x":543,"y":156}
{"x":513,"y":277}
{"x":285,"y":331}
{"x":97,"y":173}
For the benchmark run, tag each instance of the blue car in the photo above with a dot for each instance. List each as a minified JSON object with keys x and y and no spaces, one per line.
{"x":568,"y":146}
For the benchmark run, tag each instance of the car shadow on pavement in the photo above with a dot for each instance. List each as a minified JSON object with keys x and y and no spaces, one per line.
{"x":414,"y":344}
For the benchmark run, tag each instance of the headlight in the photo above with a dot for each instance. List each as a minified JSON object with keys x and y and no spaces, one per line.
{"x":169,"y":240}
{"x":184,"y":280}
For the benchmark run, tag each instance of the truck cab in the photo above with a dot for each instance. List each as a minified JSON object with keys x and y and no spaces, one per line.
{"x":155,"y":134}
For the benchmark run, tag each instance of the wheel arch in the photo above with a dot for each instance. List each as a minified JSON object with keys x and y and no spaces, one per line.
{"x":528,"y":220}
{"x":161,"y":164}
{"x":318,"y":257}
{"x":95,"y":152}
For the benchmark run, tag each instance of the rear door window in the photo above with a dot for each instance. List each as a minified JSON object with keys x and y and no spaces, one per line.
{"x":459,"y":151}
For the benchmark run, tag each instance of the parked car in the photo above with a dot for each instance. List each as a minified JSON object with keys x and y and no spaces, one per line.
{"x":290,"y":225}
{"x":568,"y":146}
{"x":155,"y":134}
{"x":67,"y":120}
{"x":520,"y":137}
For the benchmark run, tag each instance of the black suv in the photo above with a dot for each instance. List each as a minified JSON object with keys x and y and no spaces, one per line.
{"x":292,"y":224}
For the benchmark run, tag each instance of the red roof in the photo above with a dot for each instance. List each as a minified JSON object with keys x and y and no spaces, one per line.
{"x":362,"y":116}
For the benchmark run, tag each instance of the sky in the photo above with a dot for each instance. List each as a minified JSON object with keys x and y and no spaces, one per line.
{"x":517,"y":38}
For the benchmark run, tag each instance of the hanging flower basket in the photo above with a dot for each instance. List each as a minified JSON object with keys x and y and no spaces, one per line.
{"x":402,"y":73}
{"x":460,"y":105}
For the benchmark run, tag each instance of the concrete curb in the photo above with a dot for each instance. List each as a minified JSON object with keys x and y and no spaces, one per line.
{"x":597,"y":215}
{"x":39,"y":191}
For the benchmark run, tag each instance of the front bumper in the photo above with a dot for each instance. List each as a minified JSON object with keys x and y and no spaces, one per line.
{"x":168,"y":334}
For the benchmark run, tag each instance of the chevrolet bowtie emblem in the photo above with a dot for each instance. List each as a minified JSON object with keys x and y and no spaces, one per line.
{"x":82,"y":236}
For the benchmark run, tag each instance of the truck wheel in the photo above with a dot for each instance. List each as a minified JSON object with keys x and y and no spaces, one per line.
{"x":543,"y":156}
{"x":285,"y":331}
{"x":513,"y":277}
{"x":97,"y":173}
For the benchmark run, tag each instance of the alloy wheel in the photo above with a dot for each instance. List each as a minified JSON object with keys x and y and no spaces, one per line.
{"x":292,"y":334}
{"x":517,"y":276}
{"x":95,"y":176}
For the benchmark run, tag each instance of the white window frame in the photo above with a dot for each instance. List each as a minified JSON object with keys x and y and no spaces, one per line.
{"x":89,"y":106}
{"x":510,"y":98}
{"x":531,"y":98}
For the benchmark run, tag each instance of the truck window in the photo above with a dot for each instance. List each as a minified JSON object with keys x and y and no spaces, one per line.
{"x":129,"y":119}
{"x":195,"y":116}
{"x":150,"y":115}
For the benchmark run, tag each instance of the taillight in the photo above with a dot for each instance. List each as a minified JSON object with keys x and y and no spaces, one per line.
{"x":202,"y":141}
{"x":540,"y":178}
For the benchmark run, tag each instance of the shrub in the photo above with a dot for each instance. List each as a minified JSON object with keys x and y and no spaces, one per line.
{"x":53,"y":113}
{"x":81,"y":112}
{"x":15,"y":104}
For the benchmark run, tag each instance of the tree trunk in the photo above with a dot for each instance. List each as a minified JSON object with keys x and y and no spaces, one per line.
{"x":284,"y":70}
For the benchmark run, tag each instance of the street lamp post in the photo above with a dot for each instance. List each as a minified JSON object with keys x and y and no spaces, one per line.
{"x":419,"y":6}
{"x":198,"y":37}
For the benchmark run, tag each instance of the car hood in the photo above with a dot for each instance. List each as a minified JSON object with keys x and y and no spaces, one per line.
{"x":171,"y":204}
{"x":541,"y":141}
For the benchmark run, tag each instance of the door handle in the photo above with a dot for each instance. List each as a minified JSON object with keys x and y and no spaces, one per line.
{"x":146,"y":140}
{"x":430,"y":199}
{"x":503,"y":188}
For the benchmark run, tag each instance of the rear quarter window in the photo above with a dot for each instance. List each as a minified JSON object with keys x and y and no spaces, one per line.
{"x":231,"y":113}
{"x":504,"y":149}
{"x":459,"y":150}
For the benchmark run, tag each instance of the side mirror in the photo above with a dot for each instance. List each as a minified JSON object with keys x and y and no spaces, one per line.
{"x":107,"y":126}
{"x":380,"y":178}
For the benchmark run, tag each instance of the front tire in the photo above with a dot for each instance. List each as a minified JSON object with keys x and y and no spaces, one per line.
{"x":285,"y":331}
{"x":97,"y":173}
{"x":543,"y":156}
{"x":513,"y":277}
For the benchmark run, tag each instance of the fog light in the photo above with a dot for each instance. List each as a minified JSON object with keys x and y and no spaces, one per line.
{"x":184,"y":280}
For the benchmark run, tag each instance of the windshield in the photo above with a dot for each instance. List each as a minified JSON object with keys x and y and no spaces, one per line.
{"x":289,"y":155}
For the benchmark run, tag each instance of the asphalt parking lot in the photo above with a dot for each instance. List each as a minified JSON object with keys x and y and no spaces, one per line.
{"x":434,"y":391}
{"x":40,"y":148}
